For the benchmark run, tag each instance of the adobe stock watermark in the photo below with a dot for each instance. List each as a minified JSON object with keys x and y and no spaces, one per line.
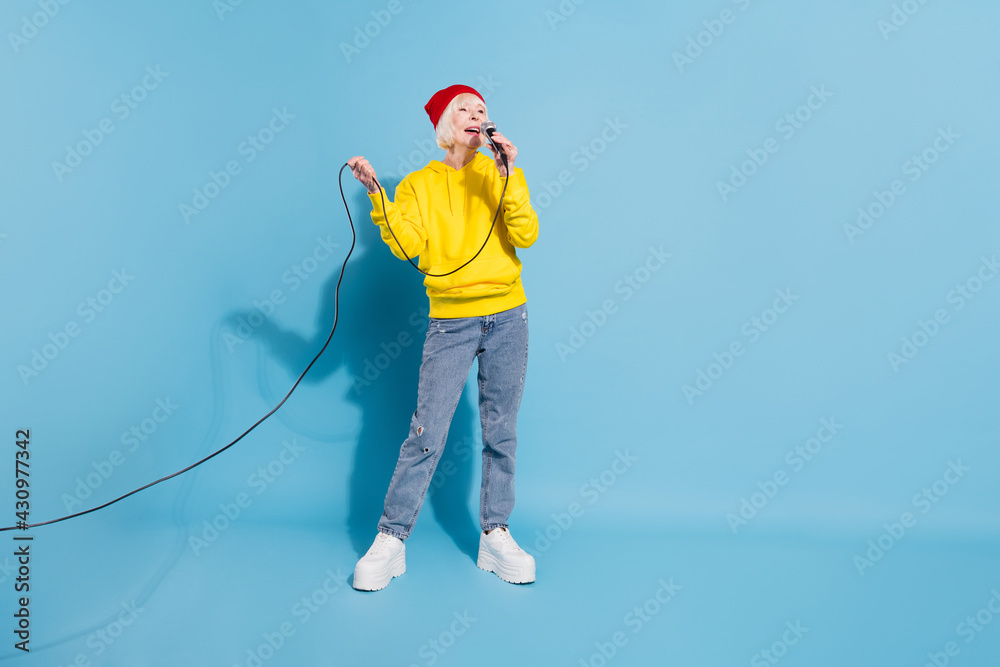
{"x":131,"y":440}
{"x":796,"y":459}
{"x":364,"y":34}
{"x":958,"y":297}
{"x":224,"y":7}
{"x":31,"y":24}
{"x":249,"y":149}
{"x":295,"y":276}
{"x":628,"y":286}
{"x":968,"y":630}
{"x":121,"y":108}
{"x":787,"y":127}
{"x":259,"y":481}
{"x":435,"y":647}
{"x":635,"y":620}
{"x":752,"y":329}
{"x":914,"y":168}
{"x":102,"y":639}
{"x":303,"y":610}
{"x":900,"y":16}
{"x":373,"y":367}
{"x":87,"y":310}
{"x":698,"y":43}
{"x":779,"y":648}
{"x":590,"y":493}
{"x":426,"y":148}
{"x":581,"y":158}
{"x":564,"y":10}
{"x":466,"y":448}
{"x":924,"y":501}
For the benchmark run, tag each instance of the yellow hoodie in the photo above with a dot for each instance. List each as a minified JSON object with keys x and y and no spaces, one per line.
{"x":442,"y":214}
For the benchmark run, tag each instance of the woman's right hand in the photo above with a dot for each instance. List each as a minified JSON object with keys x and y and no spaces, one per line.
{"x":364,"y":172}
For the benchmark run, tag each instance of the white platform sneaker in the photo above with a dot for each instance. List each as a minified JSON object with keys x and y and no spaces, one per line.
{"x":385,"y":559}
{"x":499,"y":553}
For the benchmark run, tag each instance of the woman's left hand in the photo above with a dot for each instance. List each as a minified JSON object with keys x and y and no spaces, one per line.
{"x":508,"y":147}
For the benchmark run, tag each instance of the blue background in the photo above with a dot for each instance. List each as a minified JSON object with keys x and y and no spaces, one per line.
{"x":624,"y":144}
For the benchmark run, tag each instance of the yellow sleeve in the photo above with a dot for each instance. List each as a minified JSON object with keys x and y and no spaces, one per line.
{"x":518,"y":215}
{"x":404,"y":219}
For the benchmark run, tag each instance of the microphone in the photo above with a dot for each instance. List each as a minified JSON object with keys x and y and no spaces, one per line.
{"x":488,"y":128}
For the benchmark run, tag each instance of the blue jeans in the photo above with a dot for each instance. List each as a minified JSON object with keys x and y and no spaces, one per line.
{"x":500,"y":341}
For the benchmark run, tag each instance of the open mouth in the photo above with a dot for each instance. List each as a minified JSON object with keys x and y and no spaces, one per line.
{"x":472,"y":130}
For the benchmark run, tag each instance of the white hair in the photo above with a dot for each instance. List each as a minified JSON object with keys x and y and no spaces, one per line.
{"x":445,"y":129}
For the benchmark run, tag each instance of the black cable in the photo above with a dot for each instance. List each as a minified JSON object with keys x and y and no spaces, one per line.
{"x":336,"y":316}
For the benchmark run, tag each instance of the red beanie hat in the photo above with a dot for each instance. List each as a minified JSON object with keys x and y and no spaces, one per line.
{"x":436,"y":106}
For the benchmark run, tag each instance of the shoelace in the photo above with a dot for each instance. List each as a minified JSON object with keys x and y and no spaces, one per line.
{"x":507,"y":542}
{"x":379,"y":545}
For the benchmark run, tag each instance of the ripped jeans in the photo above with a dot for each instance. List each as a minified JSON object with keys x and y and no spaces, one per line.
{"x":500,"y":341}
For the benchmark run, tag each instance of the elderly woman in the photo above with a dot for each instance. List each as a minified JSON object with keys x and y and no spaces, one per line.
{"x":443,"y":214}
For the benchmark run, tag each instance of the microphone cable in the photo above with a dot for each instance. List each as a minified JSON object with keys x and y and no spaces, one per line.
{"x":495,"y":215}
{"x":22,"y":525}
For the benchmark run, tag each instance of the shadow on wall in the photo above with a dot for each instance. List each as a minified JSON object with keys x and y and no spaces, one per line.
{"x":379,"y":338}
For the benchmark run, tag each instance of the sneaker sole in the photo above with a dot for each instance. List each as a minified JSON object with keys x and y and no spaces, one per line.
{"x":512,"y":575}
{"x":378,"y":581}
